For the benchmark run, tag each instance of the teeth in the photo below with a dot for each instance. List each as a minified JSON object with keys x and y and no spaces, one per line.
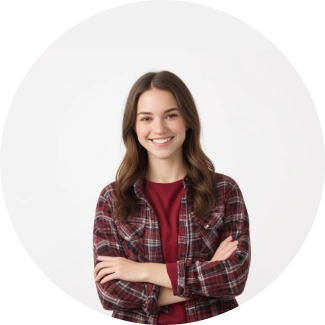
{"x":161,"y":140}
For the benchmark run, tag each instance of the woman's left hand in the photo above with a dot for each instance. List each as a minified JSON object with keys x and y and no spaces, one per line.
{"x":111,"y":268}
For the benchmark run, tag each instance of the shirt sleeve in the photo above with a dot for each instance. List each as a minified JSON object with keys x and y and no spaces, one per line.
{"x":118,"y":294}
{"x":221,"y":278}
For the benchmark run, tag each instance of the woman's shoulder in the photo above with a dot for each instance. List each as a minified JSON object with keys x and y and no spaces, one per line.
{"x":107,"y":192}
{"x":227,"y":187}
{"x":225,"y":181}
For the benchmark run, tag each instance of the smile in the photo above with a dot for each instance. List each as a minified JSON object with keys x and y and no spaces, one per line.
{"x":161,"y":141}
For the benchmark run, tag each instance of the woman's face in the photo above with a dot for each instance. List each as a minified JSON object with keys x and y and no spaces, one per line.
{"x":158,"y":117}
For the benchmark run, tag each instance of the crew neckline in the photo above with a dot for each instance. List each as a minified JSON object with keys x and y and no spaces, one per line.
{"x":170,"y":183}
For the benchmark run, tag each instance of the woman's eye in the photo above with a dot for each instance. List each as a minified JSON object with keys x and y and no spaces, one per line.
{"x":170,"y":115}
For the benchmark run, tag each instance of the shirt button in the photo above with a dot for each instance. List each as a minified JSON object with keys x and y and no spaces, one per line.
{"x":206,"y":226}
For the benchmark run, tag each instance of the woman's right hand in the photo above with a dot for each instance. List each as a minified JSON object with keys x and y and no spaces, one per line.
{"x":225,"y":249}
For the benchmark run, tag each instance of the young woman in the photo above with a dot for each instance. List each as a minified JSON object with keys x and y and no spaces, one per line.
{"x":171,"y":236}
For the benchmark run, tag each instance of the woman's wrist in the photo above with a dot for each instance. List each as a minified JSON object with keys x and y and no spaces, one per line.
{"x":167,"y":297}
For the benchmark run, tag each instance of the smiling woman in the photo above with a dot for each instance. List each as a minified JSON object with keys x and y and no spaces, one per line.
{"x":171,"y":235}
{"x":159,"y":131}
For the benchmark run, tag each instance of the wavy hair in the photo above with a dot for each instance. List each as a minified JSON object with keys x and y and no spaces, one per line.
{"x":200,"y":169}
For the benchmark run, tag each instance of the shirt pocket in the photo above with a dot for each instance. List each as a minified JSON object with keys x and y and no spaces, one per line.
{"x":207,"y":232}
{"x":132,"y":239}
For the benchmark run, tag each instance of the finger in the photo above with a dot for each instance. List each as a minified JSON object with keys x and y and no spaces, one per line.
{"x":232,"y":252}
{"x":99,"y":266}
{"x":103,"y":272}
{"x":232,"y":244}
{"x":228,"y":253}
{"x":102,"y":265}
{"x":225,"y":250}
{"x":228,"y":245}
{"x":108,"y":278}
{"x":227,"y":240}
{"x":99,"y":274}
{"x":105,"y":258}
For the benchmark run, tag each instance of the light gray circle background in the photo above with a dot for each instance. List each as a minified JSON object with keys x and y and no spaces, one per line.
{"x":62,"y":136}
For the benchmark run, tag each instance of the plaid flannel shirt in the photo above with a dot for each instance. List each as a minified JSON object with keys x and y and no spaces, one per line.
{"x":212,"y":286}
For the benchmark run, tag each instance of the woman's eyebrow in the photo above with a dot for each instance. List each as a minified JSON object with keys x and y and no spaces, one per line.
{"x":166,"y":111}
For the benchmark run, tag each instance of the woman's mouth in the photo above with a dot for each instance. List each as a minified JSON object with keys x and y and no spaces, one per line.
{"x":161,"y":142}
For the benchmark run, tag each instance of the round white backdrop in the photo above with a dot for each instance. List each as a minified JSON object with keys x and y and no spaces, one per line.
{"x":62,"y":136}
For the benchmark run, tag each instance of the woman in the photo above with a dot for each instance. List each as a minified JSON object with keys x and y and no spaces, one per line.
{"x":171,"y":236}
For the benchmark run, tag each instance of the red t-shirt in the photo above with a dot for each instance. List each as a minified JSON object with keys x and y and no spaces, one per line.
{"x":165,"y":199}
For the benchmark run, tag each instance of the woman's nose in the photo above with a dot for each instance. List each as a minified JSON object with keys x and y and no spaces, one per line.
{"x":159,"y":126}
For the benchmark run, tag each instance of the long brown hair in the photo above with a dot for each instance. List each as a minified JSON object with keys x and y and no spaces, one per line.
{"x":200,"y":169}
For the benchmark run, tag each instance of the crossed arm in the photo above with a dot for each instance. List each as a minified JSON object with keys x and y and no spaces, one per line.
{"x":156,"y":272}
{"x":110,"y":268}
{"x":125,"y":284}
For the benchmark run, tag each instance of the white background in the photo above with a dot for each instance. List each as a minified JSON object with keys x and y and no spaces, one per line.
{"x":61,"y":140}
